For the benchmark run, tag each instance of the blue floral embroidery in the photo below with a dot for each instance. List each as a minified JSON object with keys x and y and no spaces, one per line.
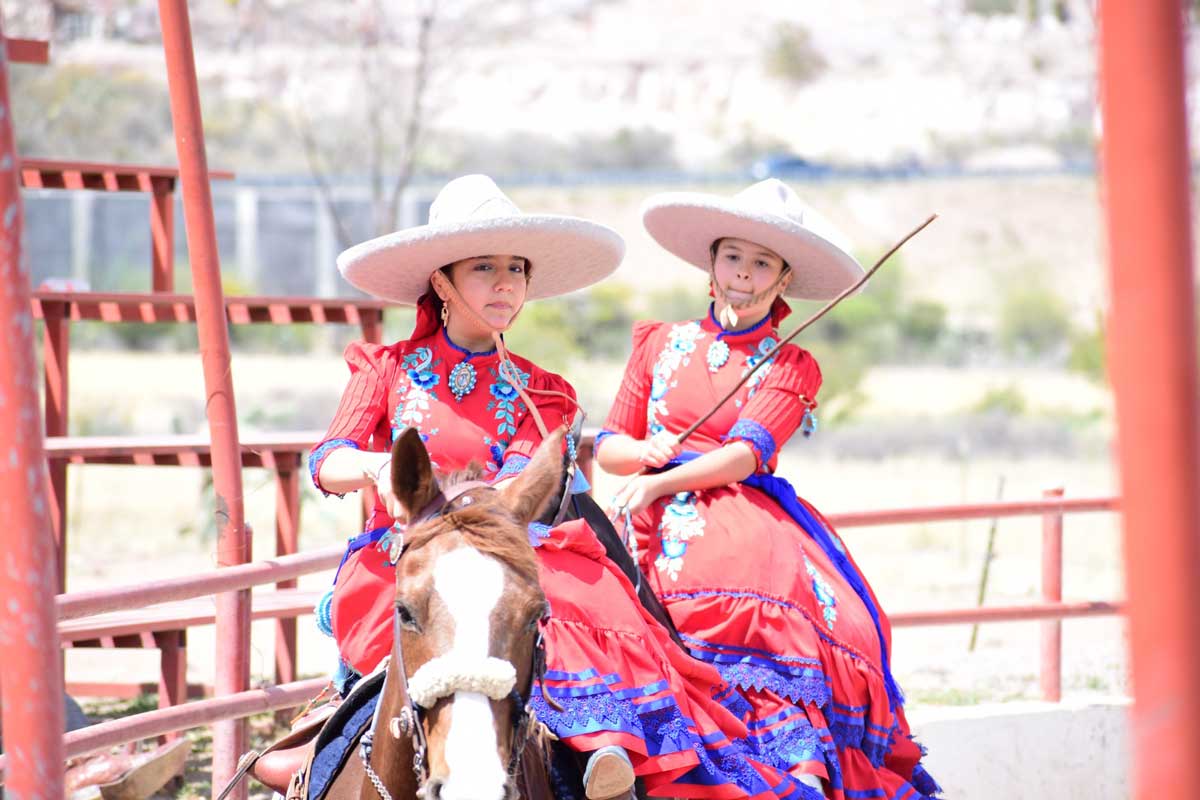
{"x":755,"y":435}
{"x":681,"y":343}
{"x":753,"y":360}
{"x":824,"y":594}
{"x":681,"y":521}
{"x":318,"y":454}
{"x":506,"y":402}
{"x":419,"y":367}
{"x":413,"y":404}
{"x":718,"y":355}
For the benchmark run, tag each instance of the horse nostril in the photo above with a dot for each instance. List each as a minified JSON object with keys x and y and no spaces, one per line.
{"x":432,"y":790}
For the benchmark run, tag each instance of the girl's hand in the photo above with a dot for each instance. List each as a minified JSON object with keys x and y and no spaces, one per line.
{"x":382,"y":477}
{"x":638,"y":494}
{"x":659,"y":449}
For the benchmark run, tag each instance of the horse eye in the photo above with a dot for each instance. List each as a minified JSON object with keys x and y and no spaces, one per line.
{"x":406,"y":617}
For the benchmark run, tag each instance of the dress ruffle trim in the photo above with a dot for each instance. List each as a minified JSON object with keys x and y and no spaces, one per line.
{"x":658,"y":723}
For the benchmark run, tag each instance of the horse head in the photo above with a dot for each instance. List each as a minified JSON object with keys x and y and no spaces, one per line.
{"x":468,"y":606}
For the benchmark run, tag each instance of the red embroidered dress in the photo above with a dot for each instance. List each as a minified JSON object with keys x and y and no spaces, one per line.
{"x":751,"y":589}
{"x":611,"y":666}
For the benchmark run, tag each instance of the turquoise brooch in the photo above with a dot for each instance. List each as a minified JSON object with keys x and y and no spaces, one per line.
{"x":462,"y":380}
{"x":718,"y":354}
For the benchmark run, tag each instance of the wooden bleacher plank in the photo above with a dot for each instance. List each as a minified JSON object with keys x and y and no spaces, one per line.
{"x":47,"y":173}
{"x":126,"y":628}
{"x":27,"y":51}
{"x":133,"y":307}
{"x":258,"y":450}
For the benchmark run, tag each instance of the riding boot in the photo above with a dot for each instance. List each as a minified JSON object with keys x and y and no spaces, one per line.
{"x":609,"y":774}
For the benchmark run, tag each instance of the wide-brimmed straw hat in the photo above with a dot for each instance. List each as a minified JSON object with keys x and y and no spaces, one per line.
{"x":769,"y":214}
{"x":471,"y":217}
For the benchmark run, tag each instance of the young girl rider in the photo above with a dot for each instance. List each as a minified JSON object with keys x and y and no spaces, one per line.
{"x":757,"y":582}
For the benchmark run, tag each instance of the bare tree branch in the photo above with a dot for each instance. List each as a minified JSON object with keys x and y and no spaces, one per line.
{"x":414,"y":128}
{"x":312,"y":154}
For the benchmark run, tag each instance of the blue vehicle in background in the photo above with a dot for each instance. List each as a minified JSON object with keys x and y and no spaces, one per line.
{"x":787,"y":165}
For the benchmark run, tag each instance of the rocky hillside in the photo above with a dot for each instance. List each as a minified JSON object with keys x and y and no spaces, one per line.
{"x":698,"y":84}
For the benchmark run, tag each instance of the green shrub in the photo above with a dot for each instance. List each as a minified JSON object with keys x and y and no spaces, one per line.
{"x":922,"y":324}
{"x":1033,"y":320}
{"x":1006,"y":400}
{"x":1087,"y":356}
{"x":987,"y":8}
{"x":793,"y":56}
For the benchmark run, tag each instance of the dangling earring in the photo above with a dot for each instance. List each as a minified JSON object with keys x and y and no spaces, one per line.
{"x":445,"y":313}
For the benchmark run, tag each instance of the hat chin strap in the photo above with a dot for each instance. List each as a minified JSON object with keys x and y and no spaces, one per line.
{"x":728,"y":316}
{"x":508,"y":369}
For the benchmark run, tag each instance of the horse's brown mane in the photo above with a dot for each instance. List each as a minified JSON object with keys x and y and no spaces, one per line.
{"x":486,"y":524}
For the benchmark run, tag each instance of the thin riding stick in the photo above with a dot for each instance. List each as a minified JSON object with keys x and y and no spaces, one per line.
{"x":825,"y":310}
{"x":771,"y":354}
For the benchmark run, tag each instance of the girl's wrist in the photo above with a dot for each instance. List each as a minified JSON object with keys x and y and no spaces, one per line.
{"x":377,"y":474}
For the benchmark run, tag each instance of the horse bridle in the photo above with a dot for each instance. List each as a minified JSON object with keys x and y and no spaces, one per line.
{"x":408,"y":721}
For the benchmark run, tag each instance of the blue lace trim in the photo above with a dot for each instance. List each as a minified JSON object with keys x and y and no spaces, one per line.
{"x":512,"y":467}
{"x":727,"y":764}
{"x":810,"y":687}
{"x":786,"y":747}
{"x":755,"y":435}
{"x":851,"y":730}
{"x":318,"y":455}
{"x":734,"y":703}
{"x":600,"y":437}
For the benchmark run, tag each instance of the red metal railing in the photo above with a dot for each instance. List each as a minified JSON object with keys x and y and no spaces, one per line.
{"x":162,"y":721}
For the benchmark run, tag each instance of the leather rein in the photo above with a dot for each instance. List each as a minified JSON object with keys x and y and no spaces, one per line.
{"x":407,"y":721}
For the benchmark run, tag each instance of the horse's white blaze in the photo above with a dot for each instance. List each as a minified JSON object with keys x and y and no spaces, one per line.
{"x":470,"y":584}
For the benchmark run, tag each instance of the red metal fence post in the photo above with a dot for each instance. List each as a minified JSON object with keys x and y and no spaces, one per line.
{"x":233,"y":543}
{"x":1152,"y":361}
{"x":162,"y":234}
{"x":287,"y":542}
{"x":1052,"y":574}
{"x":31,"y":692}
{"x":56,"y":347}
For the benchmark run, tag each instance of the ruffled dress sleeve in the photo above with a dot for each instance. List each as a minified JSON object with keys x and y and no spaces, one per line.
{"x":556,"y":409}
{"x":628,"y":413}
{"x":363,"y":407}
{"x":778,"y":407}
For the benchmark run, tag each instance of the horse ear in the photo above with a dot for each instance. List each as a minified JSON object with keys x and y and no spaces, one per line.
{"x":528,"y":495}
{"x":413,"y":481}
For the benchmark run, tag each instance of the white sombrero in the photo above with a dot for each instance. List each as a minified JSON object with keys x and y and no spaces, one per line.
{"x":768,"y":214}
{"x":471,"y":217}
